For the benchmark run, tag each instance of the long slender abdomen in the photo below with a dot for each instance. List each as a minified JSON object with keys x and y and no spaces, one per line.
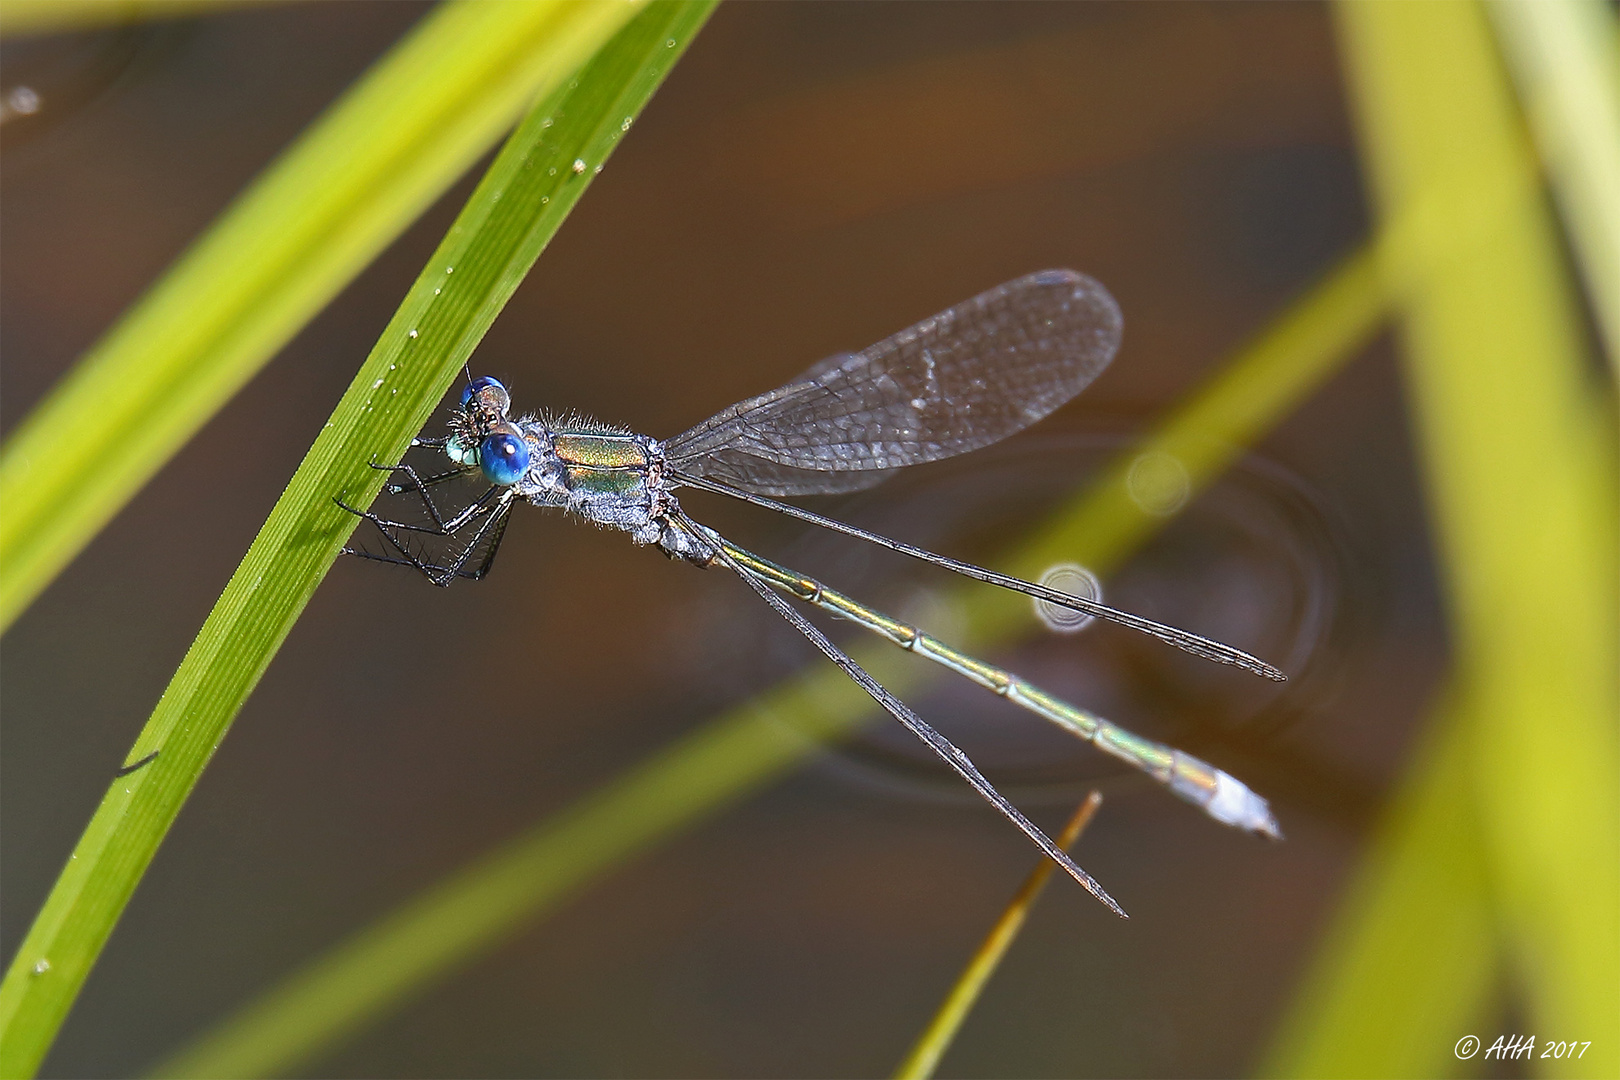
{"x":1218,"y":793}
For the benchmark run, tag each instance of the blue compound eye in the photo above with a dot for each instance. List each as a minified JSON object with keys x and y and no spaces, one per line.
{"x":504,"y":457}
{"x":481,"y":383}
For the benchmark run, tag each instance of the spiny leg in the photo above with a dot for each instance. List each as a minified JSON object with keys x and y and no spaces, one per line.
{"x":493,"y":527}
{"x":939,"y":744}
{"x":438,"y":575}
{"x":499,"y":523}
{"x":441,"y":526}
{"x":419,"y":483}
{"x":407,"y":557}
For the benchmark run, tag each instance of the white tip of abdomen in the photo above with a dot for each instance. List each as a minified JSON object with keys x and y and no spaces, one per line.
{"x":1234,"y":804}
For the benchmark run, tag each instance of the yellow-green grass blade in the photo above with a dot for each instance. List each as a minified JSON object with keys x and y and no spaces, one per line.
{"x":1411,"y":962}
{"x":517,"y":207}
{"x":747,"y":747}
{"x":1565,"y":59}
{"x":924,"y":1057}
{"x":19,"y":17}
{"x":304,"y":228}
{"x":1522,"y":486}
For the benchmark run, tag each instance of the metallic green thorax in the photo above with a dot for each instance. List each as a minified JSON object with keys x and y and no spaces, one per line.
{"x":603,"y":464}
{"x":599,"y":451}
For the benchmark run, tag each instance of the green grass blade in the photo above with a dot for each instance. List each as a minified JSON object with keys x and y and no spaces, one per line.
{"x":1565,"y":58}
{"x":517,"y":207}
{"x":924,"y":1057}
{"x":1523,"y":490}
{"x":749,"y":746}
{"x":328,"y":204}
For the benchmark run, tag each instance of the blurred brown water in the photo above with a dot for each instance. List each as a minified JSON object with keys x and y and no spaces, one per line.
{"x":811,"y":178}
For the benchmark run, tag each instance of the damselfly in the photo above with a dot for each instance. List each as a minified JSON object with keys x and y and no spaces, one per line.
{"x":966,"y":378}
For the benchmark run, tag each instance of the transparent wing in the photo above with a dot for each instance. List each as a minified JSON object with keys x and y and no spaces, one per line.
{"x":970,"y":376}
{"x":759,"y":476}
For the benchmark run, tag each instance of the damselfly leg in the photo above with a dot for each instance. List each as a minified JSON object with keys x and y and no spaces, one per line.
{"x":490,"y":511}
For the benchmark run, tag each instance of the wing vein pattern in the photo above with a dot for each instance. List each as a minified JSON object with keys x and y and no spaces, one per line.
{"x":968,"y":377}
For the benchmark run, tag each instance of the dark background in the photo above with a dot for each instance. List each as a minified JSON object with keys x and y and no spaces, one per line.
{"x":811,"y":178}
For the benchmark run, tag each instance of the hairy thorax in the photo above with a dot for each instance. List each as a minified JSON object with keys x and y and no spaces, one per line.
{"x":612,"y":478}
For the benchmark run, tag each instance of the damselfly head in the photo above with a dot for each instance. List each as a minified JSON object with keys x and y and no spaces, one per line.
{"x":481,"y":434}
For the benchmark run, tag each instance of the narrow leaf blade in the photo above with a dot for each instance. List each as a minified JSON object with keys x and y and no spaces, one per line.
{"x":516,"y":209}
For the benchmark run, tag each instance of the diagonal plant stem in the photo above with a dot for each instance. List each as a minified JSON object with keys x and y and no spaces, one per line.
{"x":760,"y":740}
{"x":521,"y":201}
{"x":300,"y":232}
{"x":936,"y":1039}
